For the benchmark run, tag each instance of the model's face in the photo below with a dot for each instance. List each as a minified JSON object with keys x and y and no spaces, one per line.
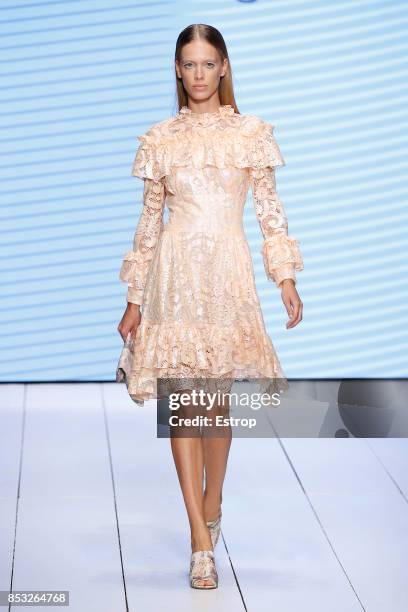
{"x":200,"y":69}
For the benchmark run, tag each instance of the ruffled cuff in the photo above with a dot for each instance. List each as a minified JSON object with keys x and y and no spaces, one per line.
{"x":134,"y":296}
{"x":281,"y":257}
{"x":283,"y":272}
{"x":133,"y":273}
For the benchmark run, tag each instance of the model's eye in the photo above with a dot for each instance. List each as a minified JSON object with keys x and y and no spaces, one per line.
{"x":208,"y":64}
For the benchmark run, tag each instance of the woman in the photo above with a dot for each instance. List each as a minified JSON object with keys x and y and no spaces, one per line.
{"x":194,"y":276}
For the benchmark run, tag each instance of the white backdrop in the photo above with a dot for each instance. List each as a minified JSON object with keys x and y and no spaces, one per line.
{"x":81,"y":80}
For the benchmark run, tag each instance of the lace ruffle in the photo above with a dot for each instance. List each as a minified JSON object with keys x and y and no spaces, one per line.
{"x":248,"y":144}
{"x":207,"y":351}
{"x":281,"y":257}
{"x":133,"y":272}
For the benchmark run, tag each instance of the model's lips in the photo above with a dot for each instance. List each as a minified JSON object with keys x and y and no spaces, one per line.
{"x":199,"y":86}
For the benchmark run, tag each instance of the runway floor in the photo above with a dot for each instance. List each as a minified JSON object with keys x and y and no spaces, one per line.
{"x":90,"y":503}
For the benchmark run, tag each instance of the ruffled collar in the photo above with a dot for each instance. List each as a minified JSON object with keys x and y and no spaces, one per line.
{"x":186,"y":113}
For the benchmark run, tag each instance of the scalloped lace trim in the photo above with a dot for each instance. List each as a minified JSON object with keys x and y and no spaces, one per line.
{"x":211,"y":351}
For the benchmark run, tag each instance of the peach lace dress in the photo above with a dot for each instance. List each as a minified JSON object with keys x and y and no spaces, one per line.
{"x":193,"y":276}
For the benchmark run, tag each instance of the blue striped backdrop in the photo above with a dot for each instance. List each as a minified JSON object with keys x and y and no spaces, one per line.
{"x":80,"y":80}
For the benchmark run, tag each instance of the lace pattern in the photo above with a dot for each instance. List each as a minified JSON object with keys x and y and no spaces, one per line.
{"x":203,"y":318}
{"x":222,"y":140}
{"x":202,"y":568}
{"x":194,"y":276}
{"x":135,"y":265}
{"x":280,"y":252}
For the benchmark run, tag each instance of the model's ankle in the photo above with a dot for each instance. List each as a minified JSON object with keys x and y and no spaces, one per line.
{"x":212,"y":510}
{"x":201,"y":541}
{"x":213,"y":498}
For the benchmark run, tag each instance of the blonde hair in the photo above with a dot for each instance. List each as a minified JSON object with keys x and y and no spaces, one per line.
{"x":214,"y":38}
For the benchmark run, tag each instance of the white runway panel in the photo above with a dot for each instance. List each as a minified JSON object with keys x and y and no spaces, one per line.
{"x":153,"y":521}
{"x":307,"y":524}
{"x":363,"y":513}
{"x":280,"y":555}
{"x":393,"y":455}
{"x":11,"y":422}
{"x":66,"y":530}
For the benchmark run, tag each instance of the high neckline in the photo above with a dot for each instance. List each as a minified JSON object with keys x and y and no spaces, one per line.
{"x":224,"y":109}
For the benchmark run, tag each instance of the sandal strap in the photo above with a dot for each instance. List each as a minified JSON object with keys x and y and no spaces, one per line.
{"x":215,"y":521}
{"x":202,"y":566}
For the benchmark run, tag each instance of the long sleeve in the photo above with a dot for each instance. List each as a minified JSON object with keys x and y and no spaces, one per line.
{"x":135,"y":265}
{"x":280,"y":252}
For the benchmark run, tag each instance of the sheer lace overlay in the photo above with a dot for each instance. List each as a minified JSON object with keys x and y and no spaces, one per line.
{"x":281,"y":253}
{"x":221,"y":139}
{"x":135,"y":264}
{"x":194,"y":276}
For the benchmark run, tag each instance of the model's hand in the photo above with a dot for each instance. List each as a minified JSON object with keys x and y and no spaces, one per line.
{"x":292,"y":301}
{"x":130,"y":320}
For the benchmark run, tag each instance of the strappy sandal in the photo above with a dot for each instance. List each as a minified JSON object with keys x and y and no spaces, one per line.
{"x":215,"y":527}
{"x":202,"y":568}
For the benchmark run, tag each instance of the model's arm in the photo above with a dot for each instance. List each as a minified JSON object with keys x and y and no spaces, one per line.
{"x":136,"y":263}
{"x":281,"y":254}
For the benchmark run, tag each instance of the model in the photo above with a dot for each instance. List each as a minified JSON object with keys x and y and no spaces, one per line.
{"x":193,"y":277}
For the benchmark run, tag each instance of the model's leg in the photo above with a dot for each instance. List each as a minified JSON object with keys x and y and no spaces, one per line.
{"x":216,"y":445}
{"x":189,"y":462}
